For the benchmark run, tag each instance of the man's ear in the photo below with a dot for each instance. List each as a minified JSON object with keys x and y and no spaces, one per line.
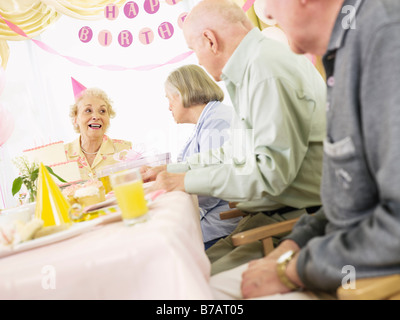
{"x":210,"y":40}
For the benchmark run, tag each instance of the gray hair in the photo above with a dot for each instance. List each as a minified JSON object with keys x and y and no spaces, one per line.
{"x":194,"y":85}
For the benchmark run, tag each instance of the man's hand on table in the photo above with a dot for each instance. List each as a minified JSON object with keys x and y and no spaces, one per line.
{"x":163,"y":180}
{"x":169,"y":181}
{"x":151,"y":173}
{"x":261,"y":277}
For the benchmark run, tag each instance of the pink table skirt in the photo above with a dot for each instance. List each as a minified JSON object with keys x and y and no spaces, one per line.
{"x":162,"y":258}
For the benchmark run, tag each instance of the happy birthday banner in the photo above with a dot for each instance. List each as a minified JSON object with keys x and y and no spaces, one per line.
{"x":146,"y":35}
{"x":131,"y":10}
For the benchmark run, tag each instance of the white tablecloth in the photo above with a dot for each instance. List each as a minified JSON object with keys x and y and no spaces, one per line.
{"x":162,"y":258}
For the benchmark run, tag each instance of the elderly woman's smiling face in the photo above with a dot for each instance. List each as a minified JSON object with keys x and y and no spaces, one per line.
{"x":92,"y":117}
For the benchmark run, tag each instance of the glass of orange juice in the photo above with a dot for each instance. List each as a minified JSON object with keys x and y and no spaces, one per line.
{"x":128,"y":189}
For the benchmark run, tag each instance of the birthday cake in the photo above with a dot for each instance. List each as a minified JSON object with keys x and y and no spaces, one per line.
{"x":53,"y":156}
{"x":86,"y":194}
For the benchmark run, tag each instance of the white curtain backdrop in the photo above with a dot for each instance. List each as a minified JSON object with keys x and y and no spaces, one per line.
{"x":38,"y":90}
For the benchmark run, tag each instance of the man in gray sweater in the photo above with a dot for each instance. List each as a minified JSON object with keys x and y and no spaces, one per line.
{"x":357,"y":231}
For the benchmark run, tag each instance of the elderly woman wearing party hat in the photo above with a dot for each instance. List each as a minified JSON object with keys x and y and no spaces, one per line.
{"x":90,"y":115}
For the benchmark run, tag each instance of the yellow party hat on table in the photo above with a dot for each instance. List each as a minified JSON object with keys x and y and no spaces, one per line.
{"x":51,"y":205}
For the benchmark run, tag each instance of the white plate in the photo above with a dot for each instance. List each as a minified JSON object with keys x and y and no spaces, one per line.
{"x":109,"y":217}
{"x":107,"y":203}
{"x":74,"y":230}
{"x":22,"y":213}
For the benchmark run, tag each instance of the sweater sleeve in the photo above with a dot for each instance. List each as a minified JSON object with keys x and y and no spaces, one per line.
{"x":308,"y":227}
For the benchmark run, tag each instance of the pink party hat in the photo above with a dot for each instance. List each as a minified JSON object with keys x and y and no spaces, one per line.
{"x":77,"y":87}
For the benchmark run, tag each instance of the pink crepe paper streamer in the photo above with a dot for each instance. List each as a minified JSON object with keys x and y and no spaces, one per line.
{"x":45,"y":47}
{"x":112,"y":67}
{"x":14,"y":28}
{"x":248,"y":5}
{"x":81,"y":62}
{"x":78,"y":61}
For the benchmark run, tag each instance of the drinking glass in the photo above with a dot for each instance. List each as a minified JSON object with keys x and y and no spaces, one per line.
{"x":128,"y":189}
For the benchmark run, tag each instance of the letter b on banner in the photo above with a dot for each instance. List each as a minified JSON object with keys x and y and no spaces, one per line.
{"x":85,"y":34}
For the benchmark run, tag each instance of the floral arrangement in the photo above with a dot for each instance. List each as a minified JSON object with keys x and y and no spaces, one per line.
{"x":29,"y":173}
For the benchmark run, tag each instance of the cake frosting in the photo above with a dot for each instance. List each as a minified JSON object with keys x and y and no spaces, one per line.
{"x":88,"y":193}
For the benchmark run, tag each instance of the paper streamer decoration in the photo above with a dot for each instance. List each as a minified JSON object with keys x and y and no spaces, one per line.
{"x":51,"y":205}
{"x":81,"y":62}
{"x":248,"y":5}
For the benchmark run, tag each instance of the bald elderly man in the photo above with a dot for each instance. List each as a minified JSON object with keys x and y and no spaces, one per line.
{"x":272,"y":167}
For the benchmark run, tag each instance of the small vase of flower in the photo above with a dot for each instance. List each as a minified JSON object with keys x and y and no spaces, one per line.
{"x":29,"y":173}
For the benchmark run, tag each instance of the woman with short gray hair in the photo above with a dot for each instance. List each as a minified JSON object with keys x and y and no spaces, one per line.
{"x":195,"y":98}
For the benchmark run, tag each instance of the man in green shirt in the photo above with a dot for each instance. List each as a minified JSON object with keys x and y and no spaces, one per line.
{"x":274,"y":167}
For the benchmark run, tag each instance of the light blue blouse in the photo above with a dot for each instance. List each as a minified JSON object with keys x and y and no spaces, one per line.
{"x":210,"y":132}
